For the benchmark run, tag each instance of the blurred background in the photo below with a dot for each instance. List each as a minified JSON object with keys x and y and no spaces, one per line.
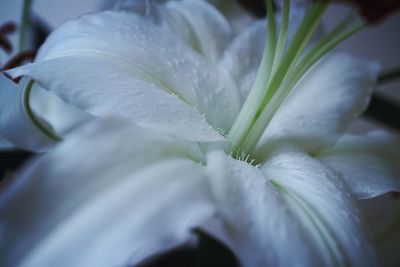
{"x":380,"y":42}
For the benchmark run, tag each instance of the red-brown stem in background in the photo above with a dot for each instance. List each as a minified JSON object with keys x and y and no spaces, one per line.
{"x":18,"y":60}
{"x":6,"y":29}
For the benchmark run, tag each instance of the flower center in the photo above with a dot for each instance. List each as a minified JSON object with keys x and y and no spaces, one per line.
{"x":281,"y":68}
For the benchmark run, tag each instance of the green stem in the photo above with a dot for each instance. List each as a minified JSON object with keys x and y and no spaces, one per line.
{"x":300,"y":40}
{"x":321,"y":49}
{"x":249,"y":109}
{"x":25,"y":20}
{"x":280,"y":47}
{"x":308,"y":61}
{"x":253,"y":106}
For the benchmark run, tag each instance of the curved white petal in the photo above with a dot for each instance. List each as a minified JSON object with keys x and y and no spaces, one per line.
{"x":256,"y":221}
{"x":17,"y":124}
{"x":5,"y":144}
{"x":116,"y":54}
{"x":243,"y":56}
{"x":209,"y":31}
{"x":120,"y":93}
{"x":238,"y":17}
{"x":110,"y":195}
{"x":327,"y":99}
{"x":62,"y":117}
{"x":370,"y":163}
{"x":324,"y":205}
{"x":205,"y":31}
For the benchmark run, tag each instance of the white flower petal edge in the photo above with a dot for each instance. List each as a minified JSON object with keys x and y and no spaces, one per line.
{"x":37,"y":119}
{"x":18,"y":124}
{"x":209,"y":31}
{"x":234,"y":14}
{"x":238,"y":17}
{"x":333,"y":94}
{"x":257,"y":223}
{"x":324,"y":205}
{"x":148,"y":62}
{"x":124,"y":192}
{"x":103,"y":209}
{"x":141,"y":102}
{"x":206,"y":31}
{"x":370,"y":163}
{"x":62,"y":117}
{"x":243,"y":56}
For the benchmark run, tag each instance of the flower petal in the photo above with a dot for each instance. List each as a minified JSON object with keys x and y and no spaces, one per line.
{"x":257,"y":223}
{"x":238,"y":17}
{"x":368,"y":163}
{"x":327,"y":99}
{"x":62,"y":117}
{"x":206,"y":30}
{"x":17,"y":124}
{"x":5,"y":144}
{"x":322,"y":203}
{"x":243,"y":56}
{"x":138,"y":101}
{"x":111,"y":208}
{"x":119,"y":55}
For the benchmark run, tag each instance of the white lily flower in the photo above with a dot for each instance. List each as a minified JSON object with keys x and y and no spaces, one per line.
{"x":193,"y":146}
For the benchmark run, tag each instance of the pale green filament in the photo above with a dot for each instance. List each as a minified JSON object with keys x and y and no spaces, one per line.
{"x":253,"y":101}
{"x":280,"y":46}
{"x":308,"y":61}
{"x":281,"y":71}
{"x":266,"y":85}
{"x":24,"y":23}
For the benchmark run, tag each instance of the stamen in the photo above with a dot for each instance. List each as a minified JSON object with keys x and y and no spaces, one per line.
{"x":253,"y":101}
{"x":25,"y":20}
{"x":320,"y":50}
{"x":266,"y":84}
{"x":281,"y":70}
{"x":302,"y":67}
{"x":280,"y":46}
{"x":300,"y":40}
